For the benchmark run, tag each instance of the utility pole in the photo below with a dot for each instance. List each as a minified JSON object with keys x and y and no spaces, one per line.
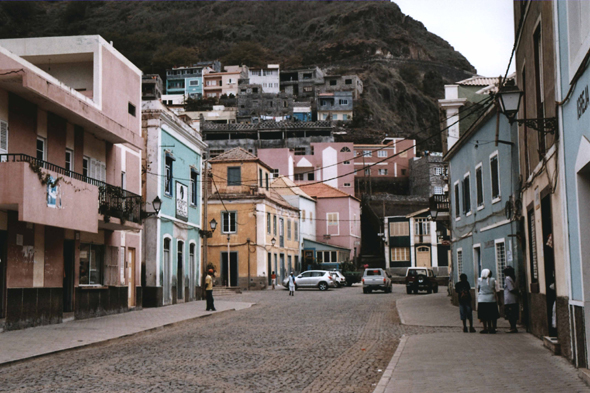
{"x":248,"y":245}
{"x":205,"y":224}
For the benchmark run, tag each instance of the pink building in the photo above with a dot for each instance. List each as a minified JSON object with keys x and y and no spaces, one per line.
{"x":338,"y":217}
{"x":70,"y":180}
{"x":391,"y":158}
{"x":329,"y":162}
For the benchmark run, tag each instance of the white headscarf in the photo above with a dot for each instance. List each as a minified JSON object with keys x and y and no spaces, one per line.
{"x":485,"y":274}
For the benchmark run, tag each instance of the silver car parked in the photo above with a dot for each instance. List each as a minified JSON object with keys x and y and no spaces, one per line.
{"x":320,"y":279}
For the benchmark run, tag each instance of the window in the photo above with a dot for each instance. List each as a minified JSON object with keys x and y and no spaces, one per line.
{"x":168,"y":184}
{"x":91,"y":264}
{"x":533,"y":246}
{"x":3,"y":137}
{"x":296,"y":230}
{"x":332,"y":219}
{"x":325,"y":116}
{"x":255,"y":90}
{"x":131,"y":109}
{"x":347,"y":185}
{"x":438,"y":190}
{"x":422,"y":226}
{"x":41,"y":149}
{"x":344,"y":117}
{"x":382,"y":172}
{"x":275,"y":173}
{"x":500,"y":261}
{"x":403,"y":172}
{"x":438,"y":170}
{"x":459,"y":262}
{"x":298,"y":176}
{"x":299,"y":151}
{"x":346,"y":162}
{"x":194,"y":185}
{"x":479,"y":185}
{"x":268,"y":225}
{"x":333,"y":83}
{"x":327,"y":256}
{"x":495,"y":177}
{"x":348,"y":81}
{"x":345,"y":149}
{"x":382,"y":153}
{"x":69,"y":160}
{"x":466,"y":195}
{"x":303,"y":215}
{"x":308,"y":89}
{"x":311,"y":176}
{"x":266,"y":178}
{"x":214,"y":153}
{"x":310,"y":216}
{"x":260,"y":177}
{"x":401,"y":228}
{"x":229,"y":222}
{"x":399,"y":254}
{"x":367,"y":153}
{"x":288,"y":229}
{"x":334,"y":117}
{"x":274,"y":224}
{"x":234,"y":176}
{"x":457,"y":201}
{"x":367,"y":171}
{"x":194,"y":83}
{"x":343,"y":102}
{"x":123,"y":180}
{"x":85,"y":165}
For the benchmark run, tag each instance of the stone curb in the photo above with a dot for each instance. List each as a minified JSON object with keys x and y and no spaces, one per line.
{"x":388,"y":373}
{"x":113,"y":339}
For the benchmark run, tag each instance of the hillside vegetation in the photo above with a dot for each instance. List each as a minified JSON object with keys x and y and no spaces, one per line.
{"x":402,"y":65}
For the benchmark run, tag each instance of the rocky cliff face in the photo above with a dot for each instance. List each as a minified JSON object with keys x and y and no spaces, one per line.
{"x":402,"y":65}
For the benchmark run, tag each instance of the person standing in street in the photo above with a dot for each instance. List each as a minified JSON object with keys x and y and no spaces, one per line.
{"x":291,"y":284}
{"x":273,"y":278}
{"x":511,"y":298}
{"x":463,"y":290}
{"x":209,"y":290}
{"x":487,"y":308}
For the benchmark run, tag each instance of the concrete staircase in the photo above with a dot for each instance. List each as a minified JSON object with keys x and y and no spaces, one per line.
{"x":226,"y":291}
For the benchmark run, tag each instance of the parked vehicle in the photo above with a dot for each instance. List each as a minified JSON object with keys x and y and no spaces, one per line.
{"x":339,"y":278}
{"x":376,"y":279}
{"x":353,"y":277}
{"x":420,"y":279}
{"x":320,"y":279}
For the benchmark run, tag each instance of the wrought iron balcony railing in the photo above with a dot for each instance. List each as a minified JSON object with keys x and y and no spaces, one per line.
{"x":440,"y":203}
{"x":112,"y":201}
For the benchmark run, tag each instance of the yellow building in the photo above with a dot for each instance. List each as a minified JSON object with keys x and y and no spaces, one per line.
{"x":257,"y":227}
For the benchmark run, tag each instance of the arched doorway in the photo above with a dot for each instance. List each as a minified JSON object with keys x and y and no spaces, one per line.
{"x":422,"y":256}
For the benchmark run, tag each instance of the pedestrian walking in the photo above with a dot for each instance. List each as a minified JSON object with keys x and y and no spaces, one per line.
{"x":209,"y":290}
{"x":487,"y":308}
{"x":273,"y":278}
{"x":291,"y":284}
{"x":511,"y":298}
{"x":463,"y":290}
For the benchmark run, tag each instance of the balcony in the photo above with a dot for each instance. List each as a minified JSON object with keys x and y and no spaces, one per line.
{"x":440,"y":204}
{"x":47,"y":194}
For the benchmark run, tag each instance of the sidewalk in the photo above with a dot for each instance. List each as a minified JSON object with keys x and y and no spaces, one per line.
{"x":24,"y":344}
{"x":460,"y":362}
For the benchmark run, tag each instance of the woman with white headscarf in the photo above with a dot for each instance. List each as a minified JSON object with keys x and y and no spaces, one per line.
{"x":487,"y":307}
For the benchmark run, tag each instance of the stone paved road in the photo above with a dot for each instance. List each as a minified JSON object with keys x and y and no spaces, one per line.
{"x":335,"y":341}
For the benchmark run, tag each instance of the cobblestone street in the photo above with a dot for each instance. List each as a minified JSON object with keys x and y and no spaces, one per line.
{"x":335,"y":341}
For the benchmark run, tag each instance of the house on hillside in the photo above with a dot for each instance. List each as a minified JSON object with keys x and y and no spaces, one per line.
{"x":173,"y":165}
{"x":338,"y":220}
{"x":335,"y":106}
{"x":301,"y":83}
{"x":330,"y":163}
{"x":223,"y":83}
{"x":70,"y":181}
{"x":188,"y":80}
{"x":334,"y":83}
{"x":259,"y":229}
{"x":267,"y":77}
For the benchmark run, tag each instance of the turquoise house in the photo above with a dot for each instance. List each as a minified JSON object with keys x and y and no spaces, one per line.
{"x":188,"y":81}
{"x":172,"y":257}
{"x":483,"y":184}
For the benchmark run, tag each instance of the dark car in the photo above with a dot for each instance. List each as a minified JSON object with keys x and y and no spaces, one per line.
{"x":421,"y":279}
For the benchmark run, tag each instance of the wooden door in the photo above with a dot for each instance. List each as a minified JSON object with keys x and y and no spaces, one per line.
{"x":68,"y":281}
{"x":131,"y":276}
{"x":423,"y":256}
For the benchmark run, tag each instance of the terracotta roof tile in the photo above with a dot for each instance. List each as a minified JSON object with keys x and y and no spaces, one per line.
{"x":321,"y":190}
{"x":236,"y":154}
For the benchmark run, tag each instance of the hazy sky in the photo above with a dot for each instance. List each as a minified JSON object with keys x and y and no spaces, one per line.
{"x":482,"y":30}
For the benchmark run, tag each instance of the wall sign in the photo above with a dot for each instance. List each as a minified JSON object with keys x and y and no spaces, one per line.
{"x":181,"y":201}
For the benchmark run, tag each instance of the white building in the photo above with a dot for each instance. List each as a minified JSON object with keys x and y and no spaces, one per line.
{"x":268,"y":78}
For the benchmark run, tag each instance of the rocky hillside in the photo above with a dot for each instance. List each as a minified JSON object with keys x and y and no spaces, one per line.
{"x":403,"y":66}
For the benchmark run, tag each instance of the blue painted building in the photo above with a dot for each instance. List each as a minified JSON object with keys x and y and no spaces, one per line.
{"x":483,"y":181}
{"x":188,"y":81}
{"x":572,"y":88}
{"x":172,"y":258}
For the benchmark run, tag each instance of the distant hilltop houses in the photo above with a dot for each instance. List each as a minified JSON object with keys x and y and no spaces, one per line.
{"x":207,"y":91}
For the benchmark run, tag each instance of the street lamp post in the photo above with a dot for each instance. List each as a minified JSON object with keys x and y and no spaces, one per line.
{"x":509,"y":97}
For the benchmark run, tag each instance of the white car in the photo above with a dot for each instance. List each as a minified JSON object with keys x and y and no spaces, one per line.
{"x":338,"y":278}
{"x":320,"y":279}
